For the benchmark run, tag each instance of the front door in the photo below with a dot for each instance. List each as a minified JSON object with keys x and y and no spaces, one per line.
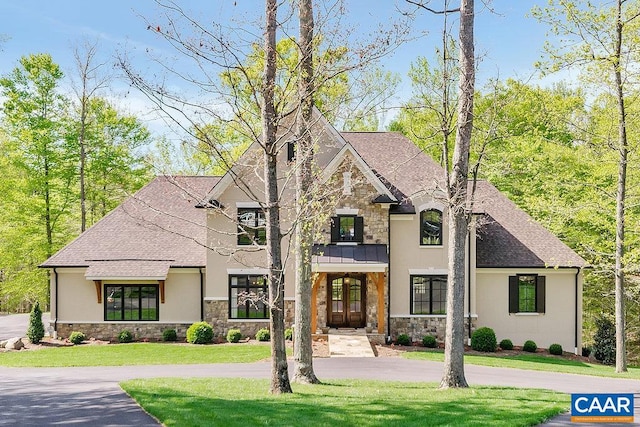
{"x":347,"y":301}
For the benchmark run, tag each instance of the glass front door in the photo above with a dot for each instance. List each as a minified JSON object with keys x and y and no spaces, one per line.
{"x":347,"y":301}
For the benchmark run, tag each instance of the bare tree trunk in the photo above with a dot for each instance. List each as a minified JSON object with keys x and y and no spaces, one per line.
{"x":458,"y":215}
{"x":303,"y":347}
{"x":621,"y":345}
{"x":279,"y":369}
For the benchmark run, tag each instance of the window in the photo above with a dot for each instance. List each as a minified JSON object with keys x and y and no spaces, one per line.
{"x":251,"y":226}
{"x":291,"y":151}
{"x":431,"y":228}
{"x":131,"y":302}
{"x":347,"y":228}
{"x":248,"y":297}
{"x":527,"y":293}
{"x":428,"y":294}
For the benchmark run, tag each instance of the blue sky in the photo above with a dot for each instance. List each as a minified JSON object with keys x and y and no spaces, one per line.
{"x":508,"y":41}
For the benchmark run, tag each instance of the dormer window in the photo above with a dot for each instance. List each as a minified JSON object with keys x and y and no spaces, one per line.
{"x":431,"y":227}
{"x":347,"y":228}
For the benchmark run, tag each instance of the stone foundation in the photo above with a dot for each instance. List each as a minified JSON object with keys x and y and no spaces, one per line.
{"x":216,"y":313}
{"x":110,"y":331}
{"x":418,"y":327}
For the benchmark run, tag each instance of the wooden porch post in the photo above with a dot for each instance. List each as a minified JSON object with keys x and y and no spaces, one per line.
{"x":98,"y":284}
{"x":381,"y":315}
{"x":317,"y":278}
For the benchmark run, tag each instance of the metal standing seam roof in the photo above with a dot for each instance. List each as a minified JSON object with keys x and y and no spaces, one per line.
{"x":348,"y":254}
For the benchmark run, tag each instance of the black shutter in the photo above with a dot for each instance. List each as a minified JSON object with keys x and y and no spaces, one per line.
{"x":335,"y":229}
{"x":540,"y":293}
{"x":359,"y":229}
{"x":514,"y":301}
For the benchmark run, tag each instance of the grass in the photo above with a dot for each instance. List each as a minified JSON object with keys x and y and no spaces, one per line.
{"x":136,"y":354}
{"x":532,"y":362}
{"x":246,"y":402}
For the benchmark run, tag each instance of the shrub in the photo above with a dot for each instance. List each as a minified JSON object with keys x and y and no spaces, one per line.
{"x":484,"y":339}
{"x":288,"y":334}
{"x":586,"y":351}
{"x":234,"y":335}
{"x":429,"y":341}
{"x":200,"y":333}
{"x":530,"y":346}
{"x":169,"y":335}
{"x":403,"y":339}
{"x":555,"y":349}
{"x":604,"y":341}
{"x":125,"y":336}
{"x":77,"y":337}
{"x":35,"y":332}
{"x":506,"y":344}
{"x":263,"y":335}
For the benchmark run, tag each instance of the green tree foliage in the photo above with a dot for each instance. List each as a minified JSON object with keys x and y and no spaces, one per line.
{"x":35,"y":332}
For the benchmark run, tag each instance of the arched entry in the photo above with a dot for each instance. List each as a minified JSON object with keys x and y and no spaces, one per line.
{"x":346,"y":305}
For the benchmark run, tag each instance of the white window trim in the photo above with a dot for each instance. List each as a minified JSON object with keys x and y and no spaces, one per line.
{"x":347,"y":211}
{"x":527,"y":314}
{"x":431,"y":205}
{"x":248,"y":205}
{"x":247,"y":271}
{"x":428,"y":271}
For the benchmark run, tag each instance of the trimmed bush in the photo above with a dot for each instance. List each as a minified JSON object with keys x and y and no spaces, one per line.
{"x":263,"y":335}
{"x":429,"y":341}
{"x":555,"y":349}
{"x":484,"y":339}
{"x":77,"y":337}
{"x":125,"y":336}
{"x":506,"y":344}
{"x":35,"y":332}
{"x":403,"y":339}
{"x":169,"y":335}
{"x":200,"y":333}
{"x":288,"y":334}
{"x":234,"y":335}
{"x":604,"y":341}
{"x":586,"y":351}
{"x":530,"y":346}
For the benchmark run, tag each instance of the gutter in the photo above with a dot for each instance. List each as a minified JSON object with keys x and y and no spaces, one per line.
{"x":576,"y":311}
{"x":201,"y":295}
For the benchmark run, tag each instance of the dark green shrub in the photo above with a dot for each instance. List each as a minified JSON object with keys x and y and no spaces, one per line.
{"x":555,"y":349}
{"x":77,"y":337}
{"x":200,"y":333}
{"x":506,"y":344}
{"x":604,"y":341}
{"x":429,"y":341}
{"x":288,"y":334}
{"x":263,"y":335}
{"x":530,"y":346}
{"x":169,"y":335}
{"x":234,"y":335}
{"x":586,"y":351}
{"x":125,"y":336}
{"x":403,"y":339}
{"x":35,"y":332}
{"x":484,"y":339}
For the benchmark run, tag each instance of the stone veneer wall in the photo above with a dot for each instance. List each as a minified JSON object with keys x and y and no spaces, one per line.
{"x":216,"y":313}
{"x":110,"y":331}
{"x":418,"y":327}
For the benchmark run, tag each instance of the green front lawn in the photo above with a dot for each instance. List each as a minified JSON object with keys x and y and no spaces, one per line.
{"x":532,"y":362}
{"x":245,"y":402}
{"x":136,"y":354}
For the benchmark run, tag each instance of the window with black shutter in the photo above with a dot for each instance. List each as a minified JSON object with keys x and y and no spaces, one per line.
{"x":347,"y":228}
{"x":527,"y":293}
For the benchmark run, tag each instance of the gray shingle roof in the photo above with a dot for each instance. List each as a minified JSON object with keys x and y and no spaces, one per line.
{"x":508,"y":237}
{"x":158,"y":223}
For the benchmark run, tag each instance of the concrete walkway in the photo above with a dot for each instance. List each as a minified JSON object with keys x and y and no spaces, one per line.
{"x":349,"y":343}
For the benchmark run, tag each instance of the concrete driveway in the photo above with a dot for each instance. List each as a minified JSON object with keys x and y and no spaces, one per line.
{"x":15,"y":325}
{"x":91,"y":396}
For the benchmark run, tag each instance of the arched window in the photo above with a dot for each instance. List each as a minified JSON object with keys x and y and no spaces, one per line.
{"x":431,"y":227}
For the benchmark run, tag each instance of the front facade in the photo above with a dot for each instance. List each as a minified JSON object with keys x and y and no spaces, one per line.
{"x":186,"y":249}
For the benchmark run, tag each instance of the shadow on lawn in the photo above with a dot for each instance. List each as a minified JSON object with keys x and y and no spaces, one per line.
{"x":548,"y":360}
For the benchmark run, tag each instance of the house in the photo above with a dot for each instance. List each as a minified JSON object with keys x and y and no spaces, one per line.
{"x":185,"y":249}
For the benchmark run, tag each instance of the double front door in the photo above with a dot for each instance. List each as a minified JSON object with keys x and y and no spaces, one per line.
{"x":346,"y":305}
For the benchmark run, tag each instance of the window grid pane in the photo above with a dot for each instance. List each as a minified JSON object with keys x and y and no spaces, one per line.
{"x":429,"y":294}
{"x":247,"y":296}
{"x":131,"y":302}
{"x":431,"y":227}
{"x":252,"y":227}
{"x":527,"y":294}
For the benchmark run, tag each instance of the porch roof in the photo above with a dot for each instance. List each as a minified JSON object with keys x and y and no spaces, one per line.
{"x":349,"y":258}
{"x":128,"y":270}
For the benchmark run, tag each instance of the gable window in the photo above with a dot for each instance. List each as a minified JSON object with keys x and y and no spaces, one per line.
{"x":428,"y":294}
{"x":131,"y":302}
{"x":247,"y":297}
{"x":527,"y":293}
{"x":251,"y":226}
{"x":431,"y":227}
{"x":347,"y":228}
{"x":291,"y":151}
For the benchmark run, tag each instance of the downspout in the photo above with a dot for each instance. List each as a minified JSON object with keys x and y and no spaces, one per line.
{"x":469,"y":285}
{"x":201,"y":295}
{"x":389,"y":275}
{"x":55,"y":318}
{"x":576,"y":312}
